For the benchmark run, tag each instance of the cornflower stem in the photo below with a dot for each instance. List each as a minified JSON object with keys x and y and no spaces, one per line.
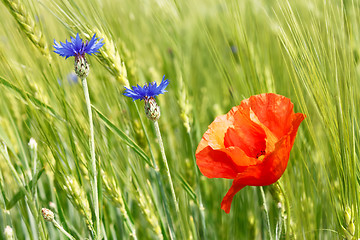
{"x":287,"y":207}
{"x":93,"y":159}
{"x":162,"y":149}
{"x":159,"y":182}
{"x":266,"y":212}
{"x":58,"y":226}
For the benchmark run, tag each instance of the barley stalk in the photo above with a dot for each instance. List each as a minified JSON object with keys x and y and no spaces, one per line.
{"x":110,"y":57}
{"x":28,"y":26}
{"x":78,"y":198}
{"x":113,"y":192}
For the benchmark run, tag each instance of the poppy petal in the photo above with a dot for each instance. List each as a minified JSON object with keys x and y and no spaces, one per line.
{"x":215,"y":164}
{"x":259,"y":175}
{"x":240,"y":158}
{"x":247,"y":135}
{"x":271,"y":139}
{"x":271,"y":168}
{"x":297,"y":119}
{"x":274,"y":111}
{"x":227,"y":200}
{"x":214,"y":136}
{"x":265,"y":173}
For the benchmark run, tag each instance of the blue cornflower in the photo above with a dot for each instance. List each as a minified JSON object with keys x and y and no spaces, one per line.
{"x":148,"y":91}
{"x":78,"y":48}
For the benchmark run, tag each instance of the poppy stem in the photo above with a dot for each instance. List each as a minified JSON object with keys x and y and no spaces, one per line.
{"x":93,"y":159}
{"x":266,"y":211}
{"x":287,"y":207}
{"x":162,"y":149}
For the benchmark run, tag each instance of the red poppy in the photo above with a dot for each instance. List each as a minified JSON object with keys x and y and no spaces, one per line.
{"x":250,"y":144}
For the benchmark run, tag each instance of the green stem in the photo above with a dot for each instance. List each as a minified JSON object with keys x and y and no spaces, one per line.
{"x":266,"y":212}
{"x":30,"y":198}
{"x":198,"y":189}
{"x":93,"y":159}
{"x":287,"y":207}
{"x":162,"y":149}
{"x":159,"y":182}
{"x":12,"y":168}
{"x":34,"y":155}
{"x":35,"y":162}
{"x":58,"y":226}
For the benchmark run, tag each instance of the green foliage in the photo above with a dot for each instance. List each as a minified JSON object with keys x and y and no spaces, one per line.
{"x":215,"y":54}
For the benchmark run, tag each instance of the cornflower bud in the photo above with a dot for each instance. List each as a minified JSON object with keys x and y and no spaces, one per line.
{"x":152,"y":109}
{"x":81,"y":66}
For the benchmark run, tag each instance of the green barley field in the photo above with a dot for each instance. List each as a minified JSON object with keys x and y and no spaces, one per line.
{"x":215,"y":53}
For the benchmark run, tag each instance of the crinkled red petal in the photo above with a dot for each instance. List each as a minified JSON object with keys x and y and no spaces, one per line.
{"x":274,"y":111}
{"x":247,"y":135}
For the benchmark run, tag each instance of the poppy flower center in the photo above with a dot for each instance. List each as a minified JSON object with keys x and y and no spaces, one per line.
{"x":261,"y":153}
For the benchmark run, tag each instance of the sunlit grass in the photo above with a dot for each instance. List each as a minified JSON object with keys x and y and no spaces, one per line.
{"x":215,"y":54}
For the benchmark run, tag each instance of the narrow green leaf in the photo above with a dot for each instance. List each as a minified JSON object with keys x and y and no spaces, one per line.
{"x":187,"y":188}
{"x":128,"y":141}
{"x":21,"y":193}
{"x":27,"y":96}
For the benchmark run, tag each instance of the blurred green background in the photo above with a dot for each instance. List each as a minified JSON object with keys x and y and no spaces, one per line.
{"x":215,"y":54}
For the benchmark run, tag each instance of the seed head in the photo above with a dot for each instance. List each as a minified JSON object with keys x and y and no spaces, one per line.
{"x":9,"y":233}
{"x":47,"y":214}
{"x":32,"y":143}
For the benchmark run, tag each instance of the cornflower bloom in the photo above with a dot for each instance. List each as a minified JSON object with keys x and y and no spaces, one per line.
{"x":77,"y":48}
{"x":148,"y":93}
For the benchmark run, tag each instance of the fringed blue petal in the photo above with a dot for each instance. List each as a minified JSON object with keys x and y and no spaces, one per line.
{"x":147,"y":91}
{"x":77,"y":47}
